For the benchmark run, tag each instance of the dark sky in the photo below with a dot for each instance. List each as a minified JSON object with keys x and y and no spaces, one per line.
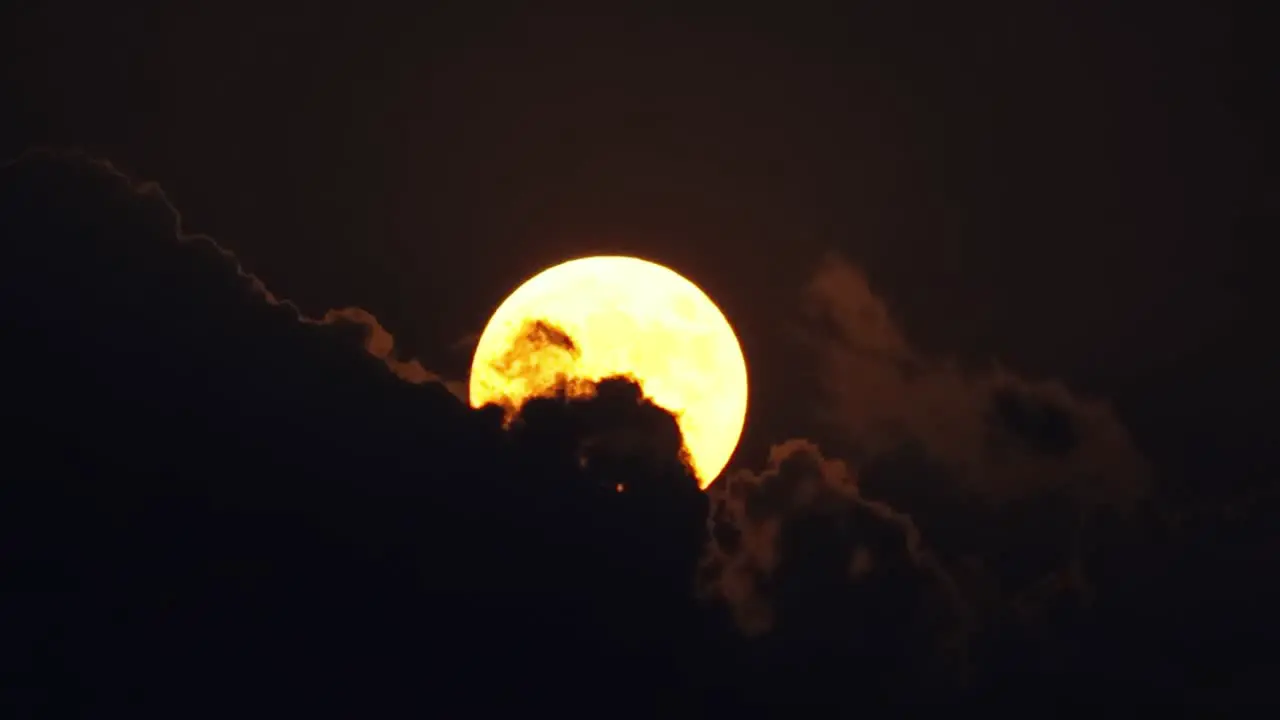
{"x":1077,"y":192}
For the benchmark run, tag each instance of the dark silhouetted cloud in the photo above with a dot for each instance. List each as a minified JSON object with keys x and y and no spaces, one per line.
{"x":796,"y":551}
{"x":215,"y":496}
{"x":289,"y":500}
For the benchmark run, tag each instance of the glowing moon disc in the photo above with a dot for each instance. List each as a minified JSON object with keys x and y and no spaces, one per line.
{"x":627,"y":316}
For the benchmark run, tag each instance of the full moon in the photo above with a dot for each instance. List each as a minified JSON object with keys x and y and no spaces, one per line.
{"x":622,"y":316}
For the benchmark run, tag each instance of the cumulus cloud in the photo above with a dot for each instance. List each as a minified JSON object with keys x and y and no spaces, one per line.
{"x":959,"y":496}
{"x":800,"y":528}
{"x":1000,"y":436}
{"x":962,"y":499}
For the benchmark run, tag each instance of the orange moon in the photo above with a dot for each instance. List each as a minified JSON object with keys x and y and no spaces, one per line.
{"x":626,"y":316}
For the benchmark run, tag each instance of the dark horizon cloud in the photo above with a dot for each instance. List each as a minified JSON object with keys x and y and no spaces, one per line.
{"x":186,"y":433}
{"x":284,"y":500}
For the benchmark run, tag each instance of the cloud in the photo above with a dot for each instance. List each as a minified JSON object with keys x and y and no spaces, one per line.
{"x":276,"y":495}
{"x":272,"y":493}
{"x":801,"y":557}
{"x":1006,"y":477}
{"x":380,"y":344}
{"x":539,"y":362}
{"x":1002,"y":437}
{"x":608,"y":423}
{"x":149,"y":199}
{"x":963,"y":502}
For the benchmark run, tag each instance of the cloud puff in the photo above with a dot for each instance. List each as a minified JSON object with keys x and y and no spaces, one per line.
{"x":960,"y":508}
{"x":1001,"y":437}
{"x":796,"y":552}
{"x":380,"y":343}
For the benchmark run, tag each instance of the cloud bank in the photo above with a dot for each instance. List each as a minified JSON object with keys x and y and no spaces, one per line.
{"x":265,"y":490}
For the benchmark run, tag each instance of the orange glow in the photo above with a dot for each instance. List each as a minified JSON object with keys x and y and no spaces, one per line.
{"x":594,"y":317}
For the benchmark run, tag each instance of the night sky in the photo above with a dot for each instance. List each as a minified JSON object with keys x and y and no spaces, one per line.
{"x":1079,"y":197}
